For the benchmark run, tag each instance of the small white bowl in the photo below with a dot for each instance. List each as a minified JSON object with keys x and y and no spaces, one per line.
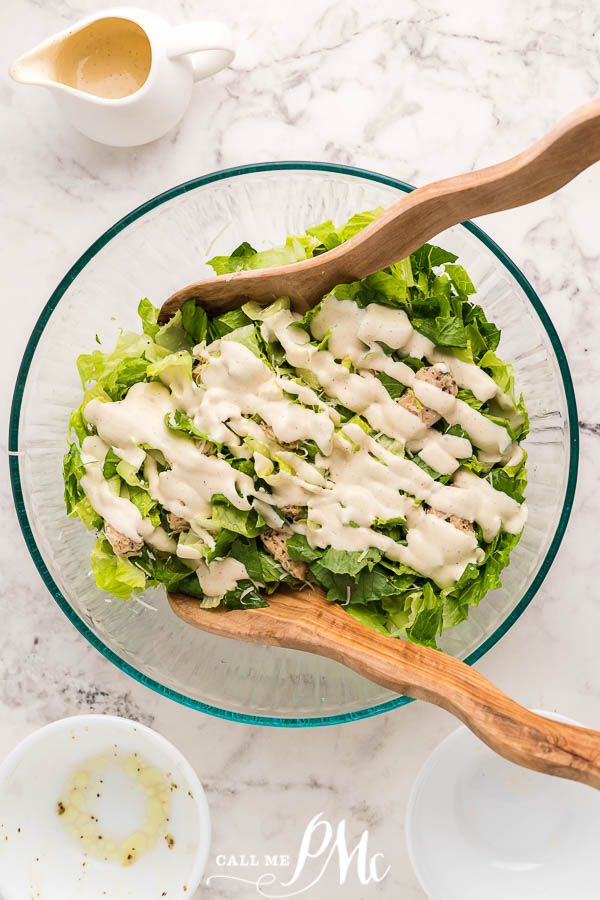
{"x":41,"y":856}
{"x":479,"y":826}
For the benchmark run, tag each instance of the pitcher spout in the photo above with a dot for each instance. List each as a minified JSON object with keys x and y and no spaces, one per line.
{"x":37,"y":66}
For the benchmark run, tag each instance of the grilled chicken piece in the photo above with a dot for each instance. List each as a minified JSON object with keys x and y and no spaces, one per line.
{"x":292,"y":512}
{"x":440,"y":379}
{"x":276,"y":543}
{"x":121,"y":544}
{"x":463,"y":525}
{"x":206,"y":447}
{"x":435,"y":375}
{"x":177,"y":523}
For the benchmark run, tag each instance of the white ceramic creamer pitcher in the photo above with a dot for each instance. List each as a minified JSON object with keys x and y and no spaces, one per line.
{"x":124,"y":76}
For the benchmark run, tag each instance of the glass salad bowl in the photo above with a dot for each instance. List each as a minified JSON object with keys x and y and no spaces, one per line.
{"x":162,"y":246}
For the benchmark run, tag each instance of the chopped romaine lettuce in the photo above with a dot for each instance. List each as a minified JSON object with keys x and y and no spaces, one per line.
{"x":436,"y":293}
{"x":115,"y":574}
{"x":73,"y":471}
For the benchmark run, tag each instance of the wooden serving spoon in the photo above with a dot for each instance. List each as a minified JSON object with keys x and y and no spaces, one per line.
{"x":542,"y":169}
{"x":305,"y":620}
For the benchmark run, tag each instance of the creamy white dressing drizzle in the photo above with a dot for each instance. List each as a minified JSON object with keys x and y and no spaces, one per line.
{"x":484,"y":433}
{"x":352,"y":327}
{"x":119,"y":512}
{"x":351,"y":484}
{"x":270,"y":515}
{"x":220,"y":576}
{"x":437,"y":549}
{"x":186,"y":488}
{"x":368,"y":482}
{"x":236,"y":383}
{"x":362,"y":393}
{"x":443,"y":451}
{"x":465,"y":374}
{"x":344,"y":321}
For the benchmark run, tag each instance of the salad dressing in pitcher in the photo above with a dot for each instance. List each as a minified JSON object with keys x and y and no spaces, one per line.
{"x":124,"y":76}
{"x":110,"y":58}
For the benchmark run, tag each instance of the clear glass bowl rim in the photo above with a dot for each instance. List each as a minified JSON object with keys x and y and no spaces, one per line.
{"x":13,"y":443}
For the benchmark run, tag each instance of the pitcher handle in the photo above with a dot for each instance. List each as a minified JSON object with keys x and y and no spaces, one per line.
{"x":211,"y":44}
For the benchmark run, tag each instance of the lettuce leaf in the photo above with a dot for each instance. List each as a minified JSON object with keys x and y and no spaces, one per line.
{"x":167,"y":570}
{"x":245,"y":596}
{"x":77,"y":424}
{"x":475,"y":317}
{"x":501,"y":372}
{"x":300,"y":550}
{"x":330,"y":236}
{"x":366,"y":587}
{"x":469,"y":397}
{"x":394,"y":388}
{"x":149,"y":316}
{"x":147,"y":505}
{"x":261,"y":567}
{"x":73,"y":471}
{"x":88,"y":515}
{"x":194,"y":321}
{"x":97,"y":367}
{"x":246,"y":335}
{"x":326,"y":234}
{"x":130,"y":474}
{"x":224,"y":265}
{"x":223,"y":541}
{"x":115,"y":574}
{"x":369,"y":616}
{"x":130,"y":371}
{"x":416,"y":613}
{"x":418,"y":461}
{"x":296,"y":248}
{"x":229,"y":321}
{"x":179,"y":362}
{"x":349,"y":562}
{"x":461,"y":281}
{"x":245,"y":522}
{"x":304,"y":323}
{"x":359,"y":221}
{"x":412,"y":362}
{"x":258,"y":313}
{"x":502,"y":481}
{"x":427,"y":624}
{"x":180,"y":422}
{"x":111,"y":461}
{"x":444,"y":331}
{"x":380,"y":287}
{"x":428,"y":256}
{"x":476,"y":581}
{"x":172,"y":336}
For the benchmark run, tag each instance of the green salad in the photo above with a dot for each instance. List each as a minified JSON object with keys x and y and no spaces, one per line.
{"x":371,"y":446}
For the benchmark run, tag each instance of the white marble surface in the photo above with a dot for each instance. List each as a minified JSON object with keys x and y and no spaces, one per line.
{"x":414,"y":89}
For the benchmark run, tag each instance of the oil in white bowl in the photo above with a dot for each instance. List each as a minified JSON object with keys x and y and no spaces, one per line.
{"x":117,"y":807}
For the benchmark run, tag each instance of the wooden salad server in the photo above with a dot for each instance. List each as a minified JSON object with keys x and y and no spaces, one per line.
{"x":305,"y":620}
{"x":572,"y":146}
